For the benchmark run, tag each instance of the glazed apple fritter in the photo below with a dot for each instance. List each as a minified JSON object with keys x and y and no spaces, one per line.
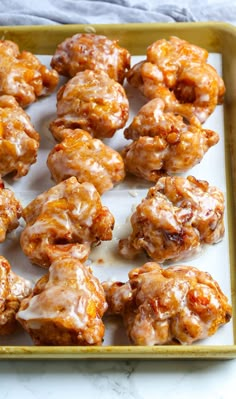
{"x":13,"y":289}
{"x":88,"y":159}
{"x":93,"y":102}
{"x":23,"y":76}
{"x":89,"y":51}
{"x":66,"y":306}
{"x":10,"y":211}
{"x":175,"y":219}
{"x":19,"y":141}
{"x":164,"y":142}
{"x":180,"y":304}
{"x":69,"y":216}
{"x":181,"y":68}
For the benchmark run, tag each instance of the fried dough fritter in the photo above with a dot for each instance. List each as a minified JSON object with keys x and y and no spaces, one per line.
{"x":180,"y":304}
{"x":23,"y":76}
{"x":164,"y":142}
{"x":93,"y":102}
{"x":181,"y":68}
{"x":88,"y":159}
{"x":10,"y":211}
{"x":175,"y":219}
{"x":67,"y":217}
{"x":66,"y":306}
{"x":89,"y":51}
{"x":19,"y":141}
{"x":13,"y":289}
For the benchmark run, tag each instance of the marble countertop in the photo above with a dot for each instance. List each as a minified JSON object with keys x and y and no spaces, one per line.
{"x":107,"y":379}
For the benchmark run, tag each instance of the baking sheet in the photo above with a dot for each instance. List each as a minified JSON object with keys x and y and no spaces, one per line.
{"x":122,"y":200}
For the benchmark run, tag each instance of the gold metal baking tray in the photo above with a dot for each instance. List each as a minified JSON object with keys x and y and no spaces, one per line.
{"x":216,"y":38}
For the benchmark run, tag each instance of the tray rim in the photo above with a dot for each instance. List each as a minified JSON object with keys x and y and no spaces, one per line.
{"x":216,"y":25}
{"x":119,"y":352}
{"x":219,"y":27}
{"x":126,"y":352}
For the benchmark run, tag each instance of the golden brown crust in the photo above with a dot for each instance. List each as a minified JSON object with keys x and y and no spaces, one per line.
{"x":163,"y":306}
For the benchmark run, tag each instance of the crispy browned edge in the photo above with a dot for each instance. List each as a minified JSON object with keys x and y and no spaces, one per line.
{"x":215,"y":37}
